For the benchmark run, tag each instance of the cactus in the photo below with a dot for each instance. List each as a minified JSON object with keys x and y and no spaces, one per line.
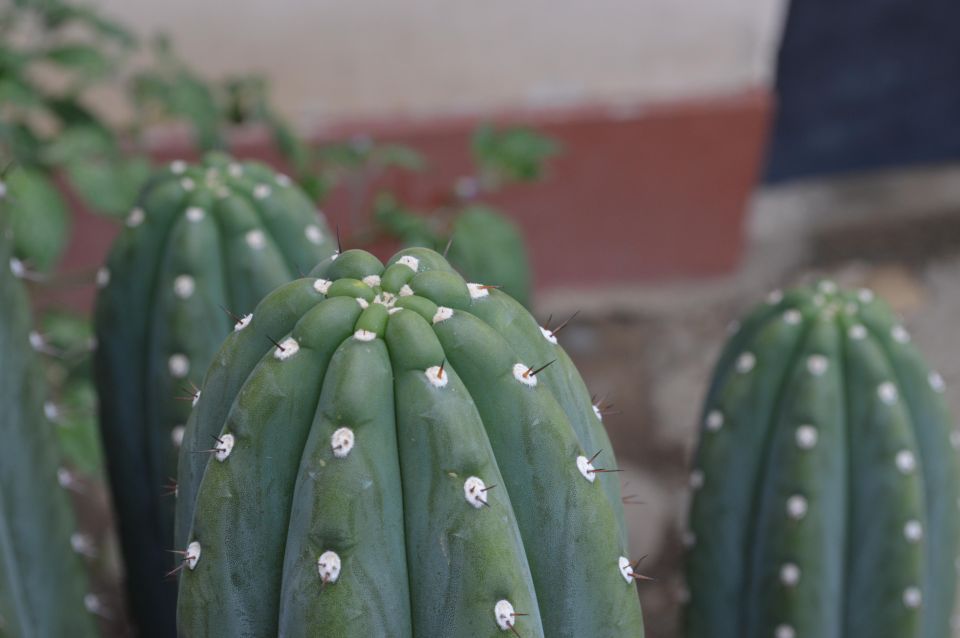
{"x":395,"y":452}
{"x":219,"y":235}
{"x":825,"y":482}
{"x":43,"y":588}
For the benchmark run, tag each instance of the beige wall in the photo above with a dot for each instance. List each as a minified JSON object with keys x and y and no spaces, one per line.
{"x":359,"y":58}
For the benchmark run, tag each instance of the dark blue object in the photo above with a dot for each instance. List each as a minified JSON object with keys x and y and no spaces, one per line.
{"x":865,"y":85}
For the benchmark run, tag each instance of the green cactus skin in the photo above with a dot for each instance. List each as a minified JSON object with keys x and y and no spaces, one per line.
{"x":43,"y":588}
{"x":350,"y":490}
{"x":825,"y":484}
{"x":208,"y":237}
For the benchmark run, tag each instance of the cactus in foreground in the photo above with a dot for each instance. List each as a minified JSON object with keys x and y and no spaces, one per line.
{"x":825,"y":483}
{"x":390,"y":454}
{"x":203,"y":239}
{"x":43,"y":588}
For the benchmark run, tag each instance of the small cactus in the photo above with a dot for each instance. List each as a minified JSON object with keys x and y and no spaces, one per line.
{"x":204,"y":238}
{"x":43,"y":588}
{"x":395,"y":452}
{"x":825,"y":485}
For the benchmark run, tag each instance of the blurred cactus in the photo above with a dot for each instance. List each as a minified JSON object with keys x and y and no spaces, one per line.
{"x":43,"y":588}
{"x":204,"y":238}
{"x":404,"y":454}
{"x":826,"y":484}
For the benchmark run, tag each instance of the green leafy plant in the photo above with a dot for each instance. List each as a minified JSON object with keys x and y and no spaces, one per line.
{"x":486,"y":245}
{"x":45,"y":126}
{"x":413,"y":455}
{"x":825,"y":483}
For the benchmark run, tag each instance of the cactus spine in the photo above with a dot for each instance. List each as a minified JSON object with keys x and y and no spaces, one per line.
{"x":208,"y":237}
{"x":400,"y":463}
{"x":43,"y":588}
{"x":825,"y":484}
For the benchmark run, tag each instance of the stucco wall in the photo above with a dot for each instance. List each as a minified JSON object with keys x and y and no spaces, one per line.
{"x":360,"y":58}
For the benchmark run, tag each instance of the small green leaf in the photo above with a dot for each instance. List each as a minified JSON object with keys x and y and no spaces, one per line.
{"x":38,"y":218}
{"x":16,"y":93}
{"x":350,"y":155}
{"x":109,"y":187}
{"x":80,"y":142}
{"x":66,"y":331}
{"x":402,"y":223}
{"x":83,"y":59}
{"x":398,"y":156}
{"x":77,"y":427}
{"x":512,"y":154}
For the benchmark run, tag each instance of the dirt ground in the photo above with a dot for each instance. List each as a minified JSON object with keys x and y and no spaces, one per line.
{"x":650,"y":349}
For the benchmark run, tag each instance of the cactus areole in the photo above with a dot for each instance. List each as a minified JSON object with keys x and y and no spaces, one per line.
{"x":43,"y":588}
{"x":825,"y":484}
{"x":203,"y":239}
{"x":386,"y":455}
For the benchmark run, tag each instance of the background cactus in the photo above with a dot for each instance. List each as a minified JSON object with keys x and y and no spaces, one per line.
{"x":390,"y":454}
{"x":203,"y":238}
{"x":43,"y":589}
{"x":825,"y":484}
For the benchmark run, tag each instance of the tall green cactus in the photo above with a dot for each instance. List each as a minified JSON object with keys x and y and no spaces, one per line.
{"x":389,"y":454}
{"x":219,"y":235}
{"x":826,"y":484}
{"x":43,"y":589}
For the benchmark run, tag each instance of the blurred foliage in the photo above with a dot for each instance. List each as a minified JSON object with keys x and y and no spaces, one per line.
{"x":482,"y":242}
{"x":514,"y":154}
{"x":68,"y":340}
{"x":54,"y":53}
{"x":44,"y":124}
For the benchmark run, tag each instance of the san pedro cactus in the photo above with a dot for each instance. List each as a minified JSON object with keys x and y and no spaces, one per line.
{"x":826,"y":484}
{"x":43,"y":589}
{"x":203,"y":239}
{"x":386,"y":452}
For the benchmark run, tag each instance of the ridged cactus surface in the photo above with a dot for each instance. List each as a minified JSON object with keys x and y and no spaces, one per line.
{"x":825,"y":483}
{"x":381,"y":452}
{"x":43,"y":588}
{"x":203,"y":239}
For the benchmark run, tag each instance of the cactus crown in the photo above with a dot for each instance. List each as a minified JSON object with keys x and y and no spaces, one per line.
{"x":825,"y":484}
{"x":203,"y":238}
{"x":389,"y":454}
